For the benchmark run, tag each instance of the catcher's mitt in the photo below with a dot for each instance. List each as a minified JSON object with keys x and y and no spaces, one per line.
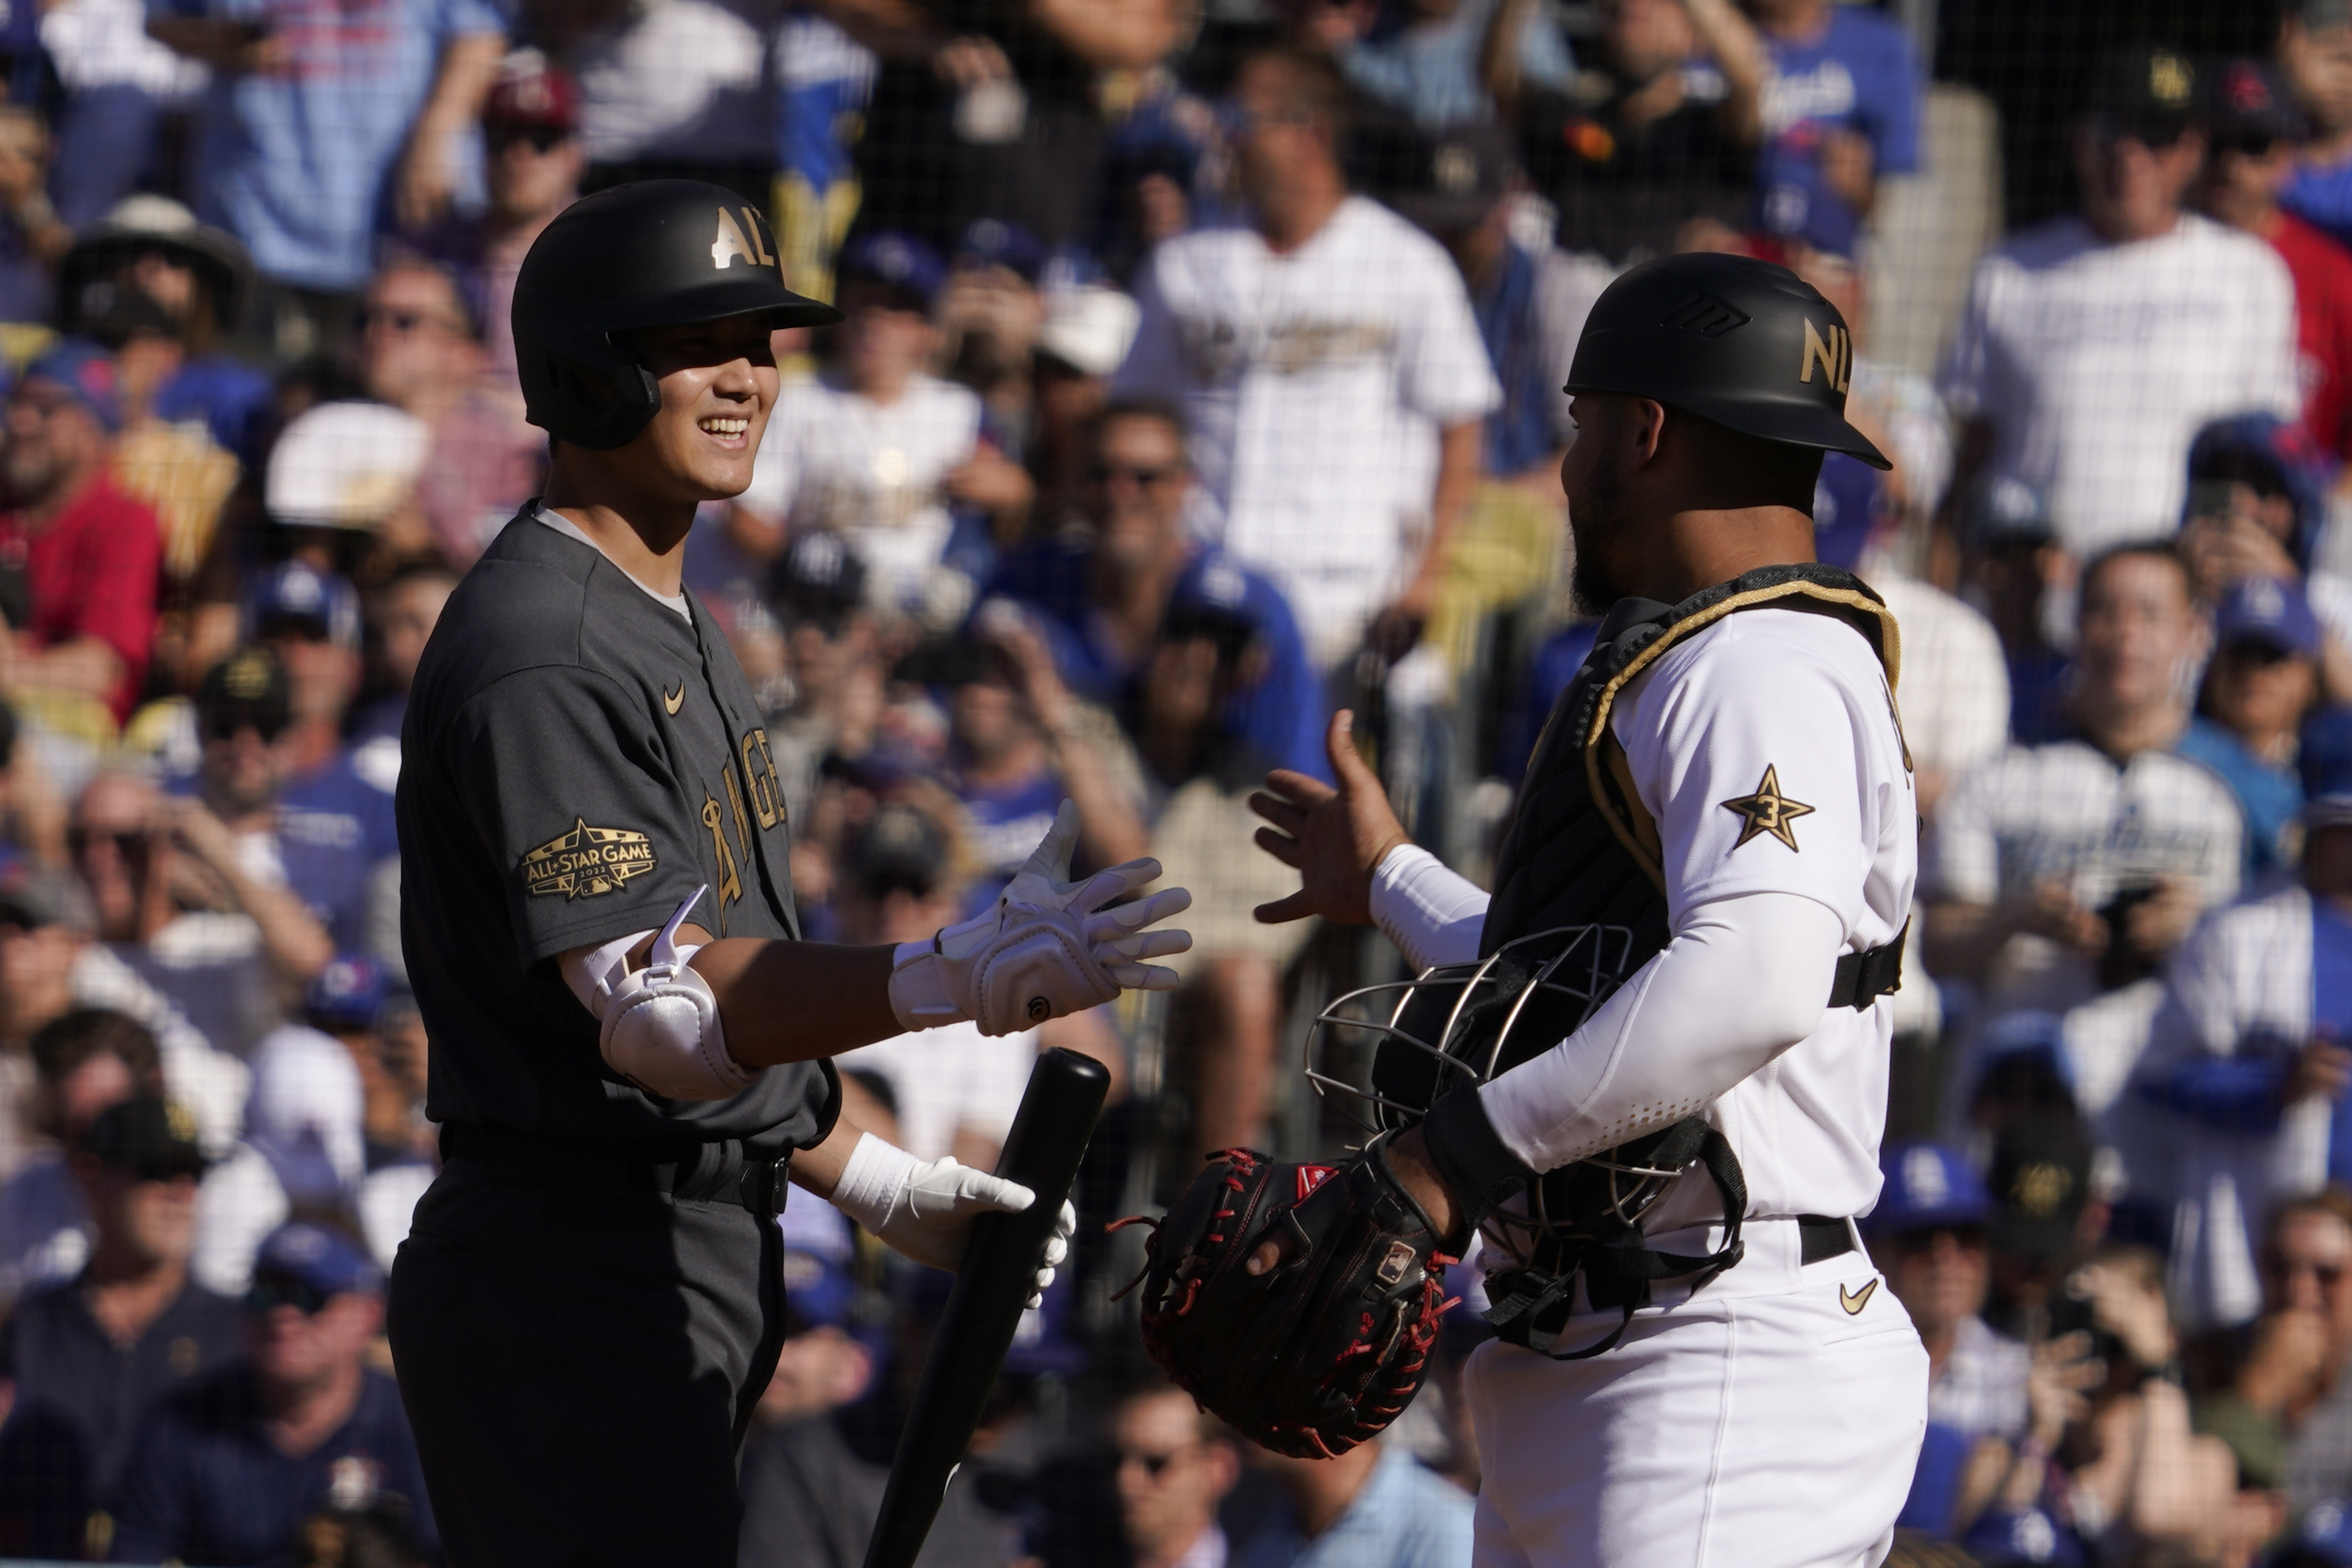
{"x":1316,"y":1355}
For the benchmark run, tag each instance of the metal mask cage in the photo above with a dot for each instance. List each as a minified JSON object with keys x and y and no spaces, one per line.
{"x":1584,"y":967}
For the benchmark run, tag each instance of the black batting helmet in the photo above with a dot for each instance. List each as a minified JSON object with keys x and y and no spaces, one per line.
{"x":1742,"y":342}
{"x":655,"y":253}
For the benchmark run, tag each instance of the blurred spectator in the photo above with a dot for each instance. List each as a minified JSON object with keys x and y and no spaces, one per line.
{"x":1086,"y":333}
{"x":420,"y":349}
{"x":2316,"y":51}
{"x":530,"y":144}
{"x":1173,"y":1464}
{"x":1330,"y":368}
{"x":1375,"y":1506}
{"x":228,"y":1471}
{"x":407,"y":610}
{"x":1929,"y":1232}
{"x":955,"y":1090}
{"x":84,"y":1062}
{"x":2285,"y":1414}
{"x":2111,"y":1468}
{"x":2025,"y":584}
{"x":2262,"y":682}
{"x":153,"y":245}
{"x":990,"y":313}
{"x":824,"y":79}
{"x":89,"y":553}
{"x":1841,"y":110}
{"x":2060,"y":871}
{"x":303,"y":1157}
{"x":2092,"y":347}
{"x":835,"y":673}
{"x":1447,"y":63}
{"x":663,"y":90}
{"x":84,"y":1362}
{"x":354,"y":1001}
{"x":878,"y":448}
{"x":2257,"y":502}
{"x":1653,"y":149}
{"x":383,"y":1536}
{"x":177,"y":469}
{"x":118,"y":83}
{"x":33,"y":238}
{"x":320,"y":119}
{"x":2252,"y":131}
{"x":343,"y":490}
{"x":991,"y":114}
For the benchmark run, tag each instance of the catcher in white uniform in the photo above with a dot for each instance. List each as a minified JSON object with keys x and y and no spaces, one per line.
{"x":1698,"y":1362}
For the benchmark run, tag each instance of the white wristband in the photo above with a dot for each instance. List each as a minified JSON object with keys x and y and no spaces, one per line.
{"x":871,"y":1180}
{"x":918,"y":988}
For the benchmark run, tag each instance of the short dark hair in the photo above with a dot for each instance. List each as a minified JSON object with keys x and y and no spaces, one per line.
{"x":2164,"y":550}
{"x":1316,"y":85}
{"x":1165,"y":411}
{"x":60,"y":1047}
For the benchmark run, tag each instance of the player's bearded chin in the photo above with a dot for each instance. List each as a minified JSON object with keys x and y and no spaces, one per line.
{"x":1595,"y":513}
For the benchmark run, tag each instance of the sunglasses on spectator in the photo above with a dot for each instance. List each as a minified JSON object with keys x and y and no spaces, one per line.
{"x":1919,"y":1243}
{"x":1106,"y":472}
{"x":2248,"y":143}
{"x":1154,"y":1465}
{"x":401,"y":323}
{"x":270,"y":1292}
{"x":127,"y":844}
{"x":543,"y":138}
{"x":164,"y":1168}
{"x":226,"y":726}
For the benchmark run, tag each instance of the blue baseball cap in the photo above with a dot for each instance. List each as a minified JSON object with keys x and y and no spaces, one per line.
{"x":327,"y":1260}
{"x":85,"y":369}
{"x":1928,"y":1186}
{"x":299,"y":593}
{"x":819,"y":1286}
{"x":1215,"y":587}
{"x":992,"y":242}
{"x":900,"y":260}
{"x":2268,"y":453}
{"x":348,"y":991}
{"x":2268,"y":611}
{"x":1846,"y":510}
{"x":2323,"y":1536}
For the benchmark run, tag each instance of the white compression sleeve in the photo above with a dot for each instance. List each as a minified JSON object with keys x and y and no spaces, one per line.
{"x":1743,"y":980}
{"x":1432,"y":913}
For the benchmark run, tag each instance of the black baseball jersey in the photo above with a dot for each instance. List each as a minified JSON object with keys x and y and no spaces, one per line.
{"x":576,"y":760}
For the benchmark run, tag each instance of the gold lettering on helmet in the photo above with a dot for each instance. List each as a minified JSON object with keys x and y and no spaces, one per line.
{"x":1835,"y":356}
{"x":757,"y":230}
{"x":729,"y":243}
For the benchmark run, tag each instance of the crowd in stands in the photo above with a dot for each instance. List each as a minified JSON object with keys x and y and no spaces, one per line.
{"x":1199,"y":376}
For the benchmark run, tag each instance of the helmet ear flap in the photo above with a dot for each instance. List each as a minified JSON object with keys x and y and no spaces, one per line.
{"x":599,"y":406}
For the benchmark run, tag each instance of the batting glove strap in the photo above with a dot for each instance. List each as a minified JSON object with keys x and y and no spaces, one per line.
{"x":1478,"y":1167}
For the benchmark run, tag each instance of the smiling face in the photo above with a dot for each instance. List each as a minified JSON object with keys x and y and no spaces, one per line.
{"x":717,"y":382}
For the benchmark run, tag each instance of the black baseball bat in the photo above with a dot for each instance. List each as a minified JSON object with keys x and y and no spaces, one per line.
{"x":991,"y":1288}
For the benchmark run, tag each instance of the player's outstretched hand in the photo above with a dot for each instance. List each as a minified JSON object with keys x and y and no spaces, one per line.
{"x":924,"y":1209}
{"x":1333,"y":838}
{"x":1048,"y":947}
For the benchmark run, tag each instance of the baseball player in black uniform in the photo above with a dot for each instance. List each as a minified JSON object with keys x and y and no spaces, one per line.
{"x":627,"y":1037}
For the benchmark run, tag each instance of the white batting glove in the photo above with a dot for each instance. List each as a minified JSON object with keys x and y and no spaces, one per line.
{"x":924,"y":1210}
{"x":1043,"y":951}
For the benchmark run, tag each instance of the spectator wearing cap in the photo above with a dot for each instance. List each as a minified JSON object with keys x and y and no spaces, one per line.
{"x":1086,"y":331}
{"x":2061,"y":872}
{"x":316,"y":120}
{"x":2092,"y":347}
{"x":991,"y":311}
{"x":226,"y":1470}
{"x":89,"y":553}
{"x":2253,"y":133}
{"x":1653,"y":150}
{"x":877,"y":448}
{"x":85,"y":1361}
{"x":83,"y":1062}
{"x":818,"y":588}
{"x":532,"y":161}
{"x":421,"y":351}
{"x":198,"y":275}
{"x":1931,"y":1230}
{"x":344,"y":483}
{"x":1330,"y":371}
{"x":1841,"y":112}
{"x":354,"y":1001}
{"x":2263,"y":682}
{"x":304,"y":1154}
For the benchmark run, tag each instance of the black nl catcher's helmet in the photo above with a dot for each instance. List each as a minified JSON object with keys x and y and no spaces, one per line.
{"x":655,"y":253}
{"x":1742,"y":342}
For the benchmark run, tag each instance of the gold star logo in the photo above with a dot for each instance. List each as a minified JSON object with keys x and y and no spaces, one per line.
{"x":1767,"y":811}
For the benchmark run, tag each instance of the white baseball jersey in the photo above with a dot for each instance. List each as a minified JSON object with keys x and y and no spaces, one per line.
{"x":1316,"y":383}
{"x":873,"y":472}
{"x":2096,"y":364}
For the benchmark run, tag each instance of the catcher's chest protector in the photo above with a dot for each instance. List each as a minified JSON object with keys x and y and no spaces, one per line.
{"x":1582,"y":850}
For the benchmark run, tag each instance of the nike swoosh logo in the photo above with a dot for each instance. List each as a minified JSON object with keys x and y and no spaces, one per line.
{"x":1853,"y":1304}
{"x":671,"y":702}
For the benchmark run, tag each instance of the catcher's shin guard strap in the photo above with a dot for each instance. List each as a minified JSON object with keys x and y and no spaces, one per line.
{"x":1479,"y":1168}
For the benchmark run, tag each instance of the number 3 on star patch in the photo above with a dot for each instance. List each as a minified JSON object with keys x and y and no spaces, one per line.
{"x":1767,"y":811}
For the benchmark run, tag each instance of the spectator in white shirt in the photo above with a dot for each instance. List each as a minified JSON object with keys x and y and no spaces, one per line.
{"x":2092,"y":347}
{"x":1330,"y":369}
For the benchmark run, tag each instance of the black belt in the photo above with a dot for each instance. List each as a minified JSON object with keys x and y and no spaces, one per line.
{"x":722,"y":1172}
{"x":1862,"y":977}
{"x":1821,"y":1239}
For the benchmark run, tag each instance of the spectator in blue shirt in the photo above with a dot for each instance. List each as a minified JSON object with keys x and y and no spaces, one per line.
{"x":323,"y":122}
{"x":85,"y":1361}
{"x":2262,"y":682}
{"x":1841,"y":109}
{"x":227,"y":1472}
{"x":1441,"y":62}
{"x":1375,"y":1506}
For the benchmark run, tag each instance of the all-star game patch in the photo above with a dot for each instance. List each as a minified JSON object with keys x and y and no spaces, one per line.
{"x":585,"y":860}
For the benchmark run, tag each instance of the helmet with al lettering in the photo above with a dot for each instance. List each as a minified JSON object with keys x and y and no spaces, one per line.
{"x":654,"y":253}
{"x":1747,"y":344}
